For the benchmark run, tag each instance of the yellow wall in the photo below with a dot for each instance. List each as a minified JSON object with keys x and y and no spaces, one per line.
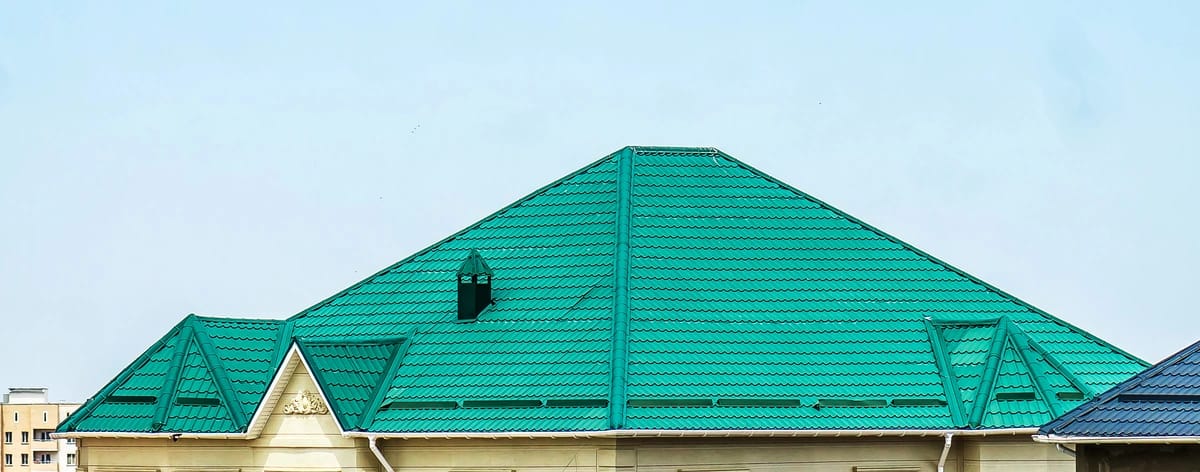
{"x":30,"y":418}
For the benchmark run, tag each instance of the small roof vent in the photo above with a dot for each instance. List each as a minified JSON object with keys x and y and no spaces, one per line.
{"x":474,"y":287}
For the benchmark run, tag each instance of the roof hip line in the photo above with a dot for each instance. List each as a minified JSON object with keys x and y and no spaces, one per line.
{"x":620,"y":327}
{"x":220,"y":376}
{"x":170,"y":385}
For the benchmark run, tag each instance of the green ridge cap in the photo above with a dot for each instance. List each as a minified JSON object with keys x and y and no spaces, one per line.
{"x":620,"y":327}
{"x":983,"y":395}
{"x":91,"y":404}
{"x":1080,"y":385}
{"x":376,"y":398}
{"x":167,"y":392}
{"x":946,"y":370}
{"x":225,"y":388}
{"x":1044,"y":390}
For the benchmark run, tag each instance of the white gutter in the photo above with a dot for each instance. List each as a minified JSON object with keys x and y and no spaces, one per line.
{"x":1065,"y":450}
{"x":88,"y":434}
{"x":723,"y":433}
{"x":945,"y":453}
{"x":379,"y":454}
{"x":619,"y":433}
{"x":1053,"y":438}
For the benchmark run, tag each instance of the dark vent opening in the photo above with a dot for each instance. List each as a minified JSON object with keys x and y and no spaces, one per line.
{"x":918,"y":402}
{"x":580,"y":403}
{"x":197,"y":401}
{"x":501,"y":403}
{"x":1069,"y":395}
{"x":1157,"y":397}
{"x":430,"y":405}
{"x":670,"y":402}
{"x":1016,"y":396}
{"x":474,"y":286}
{"x":844,"y":402}
{"x":131,"y":399}
{"x":765,"y":402}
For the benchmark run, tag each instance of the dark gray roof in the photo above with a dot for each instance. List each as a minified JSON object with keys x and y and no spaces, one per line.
{"x":1163,"y":401}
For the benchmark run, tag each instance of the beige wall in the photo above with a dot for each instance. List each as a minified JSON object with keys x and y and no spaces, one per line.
{"x":31,"y":419}
{"x":314,"y":443}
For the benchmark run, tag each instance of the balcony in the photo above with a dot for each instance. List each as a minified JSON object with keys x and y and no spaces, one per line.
{"x":44,"y":445}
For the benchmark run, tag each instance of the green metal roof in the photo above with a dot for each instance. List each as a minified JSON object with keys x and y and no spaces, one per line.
{"x":657,"y":288}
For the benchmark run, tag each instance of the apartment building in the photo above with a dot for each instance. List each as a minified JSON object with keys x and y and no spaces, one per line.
{"x":27,"y":418}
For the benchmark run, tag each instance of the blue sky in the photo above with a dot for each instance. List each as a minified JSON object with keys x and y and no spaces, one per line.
{"x":231,"y":159}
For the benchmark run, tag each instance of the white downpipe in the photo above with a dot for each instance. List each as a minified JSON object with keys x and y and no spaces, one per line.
{"x":379,"y":454}
{"x":1064,"y":449}
{"x":945,"y":453}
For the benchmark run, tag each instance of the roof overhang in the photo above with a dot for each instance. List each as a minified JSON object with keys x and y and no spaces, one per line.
{"x":701,"y":433}
{"x":609,"y":434}
{"x":1057,"y":439}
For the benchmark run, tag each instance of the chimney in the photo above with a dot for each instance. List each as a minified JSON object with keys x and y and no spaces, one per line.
{"x":474,"y":287}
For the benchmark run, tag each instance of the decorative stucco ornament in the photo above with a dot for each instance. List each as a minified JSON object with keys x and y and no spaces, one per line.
{"x":308,"y":403}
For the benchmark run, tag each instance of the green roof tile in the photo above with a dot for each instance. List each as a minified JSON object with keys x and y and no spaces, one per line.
{"x":651,"y":277}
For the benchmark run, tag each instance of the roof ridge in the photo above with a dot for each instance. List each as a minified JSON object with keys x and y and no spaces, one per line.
{"x":91,"y":403}
{"x":458,"y":233}
{"x":935,"y":260}
{"x":170,"y":385}
{"x":236,"y":319}
{"x":224,"y":386}
{"x":991,"y":371}
{"x":385,"y":382}
{"x":619,"y":352}
{"x":1112,"y":393}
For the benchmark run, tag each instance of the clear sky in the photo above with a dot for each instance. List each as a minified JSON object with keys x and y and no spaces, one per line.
{"x":251,"y":159}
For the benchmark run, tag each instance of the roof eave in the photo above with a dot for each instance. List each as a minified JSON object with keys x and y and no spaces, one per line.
{"x":1057,"y":439}
{"x":608,"y":434}
{"x":714,"y":433}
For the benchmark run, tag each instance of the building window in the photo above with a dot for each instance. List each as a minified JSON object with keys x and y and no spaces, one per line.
{"x":70,"y":440}
{"x":24,"y":437}
{"x":45,"y":416}
{"x":16,"y":417}
{"x":70,"y":459}
{"x":24,"y":459}
{"x":8,"y":459}
{"x":42,"y":458}
{"x":8,"y":437}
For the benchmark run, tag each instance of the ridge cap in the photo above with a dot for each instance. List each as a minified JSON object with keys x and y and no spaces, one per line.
{"x":220,"y":377}
{"x":472,"y":226}
{"x":619,"y":349}
{"x":939,"y":262}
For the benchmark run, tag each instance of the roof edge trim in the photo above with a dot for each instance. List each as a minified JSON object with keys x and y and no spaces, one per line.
{"x":91,"y":403}
{"x":225,"y":387}
{"x":1056,"y":439}
{"x":166,"y":393}
{"x":935,"y":260}
{"x":949,"y":383}
{"x":385,"y":382}
{"x":661,"y":433}
{"x":458,"y":233}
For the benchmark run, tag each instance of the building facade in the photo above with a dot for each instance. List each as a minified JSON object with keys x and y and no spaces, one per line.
{"x":662,"y":309}
{"x":29,"y":419}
